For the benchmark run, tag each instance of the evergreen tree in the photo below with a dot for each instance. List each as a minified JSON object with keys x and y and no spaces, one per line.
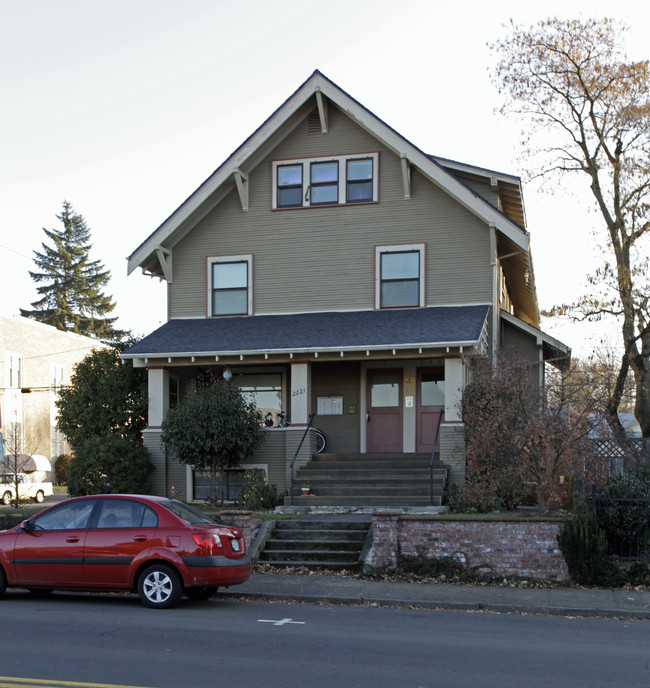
{"x":71,"y":293}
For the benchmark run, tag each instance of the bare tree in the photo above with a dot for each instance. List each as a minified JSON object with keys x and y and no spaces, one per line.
{"x":586,"y":110}
{"x":14,"y":457}
{"x":519,"y":433}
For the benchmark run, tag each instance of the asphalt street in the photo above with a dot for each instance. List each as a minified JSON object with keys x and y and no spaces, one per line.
{"x":113,"y":639}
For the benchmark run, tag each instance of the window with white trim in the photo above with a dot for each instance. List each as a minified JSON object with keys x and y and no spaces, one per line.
{"x":399,"y":276}
{"x":337,"y":180}
{"x":230,"y":285}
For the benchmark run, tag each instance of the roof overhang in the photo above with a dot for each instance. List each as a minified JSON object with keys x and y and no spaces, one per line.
{"x":351,"y":335}
{"x":151,"y":256}
{"x":555,"y":352}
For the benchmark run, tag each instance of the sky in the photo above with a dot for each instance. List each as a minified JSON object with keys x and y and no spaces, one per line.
{"x":124,"y":107}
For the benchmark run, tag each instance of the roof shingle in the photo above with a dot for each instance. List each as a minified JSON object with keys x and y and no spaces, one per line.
{"x":460,"y":325}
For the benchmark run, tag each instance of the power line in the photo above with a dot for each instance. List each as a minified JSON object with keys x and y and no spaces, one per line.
{"x":18,"y":253}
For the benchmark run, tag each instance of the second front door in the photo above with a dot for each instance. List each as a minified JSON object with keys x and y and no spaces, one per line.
{"x":384,"y":417}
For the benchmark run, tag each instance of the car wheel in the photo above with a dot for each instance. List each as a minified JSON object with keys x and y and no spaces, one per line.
{"x":6,"y":498}
{"x":40,"y":496}
{"x":205,"y":592}
{"x":3,"y":582}
{"x":159,"y":586}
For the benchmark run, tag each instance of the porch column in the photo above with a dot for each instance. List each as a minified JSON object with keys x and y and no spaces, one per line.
{"x":454,"y":383}
{"x":158,"y":379}
{"x":300,"y":393}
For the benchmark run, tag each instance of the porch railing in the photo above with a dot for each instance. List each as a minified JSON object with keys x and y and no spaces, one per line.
{"x":295,"y":456}
{"x":433,"y":454}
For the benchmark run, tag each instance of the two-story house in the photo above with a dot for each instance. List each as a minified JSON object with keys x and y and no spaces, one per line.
{"x":331,"y":267}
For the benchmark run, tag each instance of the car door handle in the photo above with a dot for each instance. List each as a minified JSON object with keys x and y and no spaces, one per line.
{"x":72,"y":538}
{"x":140,"y":538}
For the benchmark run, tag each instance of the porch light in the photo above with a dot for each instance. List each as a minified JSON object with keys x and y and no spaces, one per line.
{"x":227,"y":374}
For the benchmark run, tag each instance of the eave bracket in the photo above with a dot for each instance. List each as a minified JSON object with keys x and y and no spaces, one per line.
{"x":241,"y":180}
{"x":322,"y":111}
{"x":406,"y":178}
{"x":164,"y":256}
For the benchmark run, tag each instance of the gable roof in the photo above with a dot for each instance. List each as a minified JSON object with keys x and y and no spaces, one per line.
{"x":317,"y":333}
{"x":152,"y":254}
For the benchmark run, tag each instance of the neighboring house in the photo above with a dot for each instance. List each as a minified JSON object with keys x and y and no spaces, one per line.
{"x":334,"y":268}
{"x":617,"y":454}
{"x":600,"y":428}
{"x":36,"y":360}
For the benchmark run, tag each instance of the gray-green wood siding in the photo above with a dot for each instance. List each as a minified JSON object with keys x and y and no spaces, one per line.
{"x":333,"y":380}
{"x":320,"y":259}
{"x":452,"y":453}
{"x":163,"y":476}
{"x":515,"y":340}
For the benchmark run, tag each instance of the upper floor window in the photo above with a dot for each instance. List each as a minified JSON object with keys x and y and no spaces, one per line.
{"x":289,"y":186}
{"x":14,"y":370}
{"x":338,"y":180}
{"x":324,"y":182}
{"x":229,"y":285}
{"x":359,"y":178}
{"x":399,"y":272}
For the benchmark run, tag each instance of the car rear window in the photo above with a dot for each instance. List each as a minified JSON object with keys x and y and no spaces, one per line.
{"x":125,"y":513}
{"x":186,"y":513}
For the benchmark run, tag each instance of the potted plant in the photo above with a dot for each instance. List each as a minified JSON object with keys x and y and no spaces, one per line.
{"x":304,"y":490}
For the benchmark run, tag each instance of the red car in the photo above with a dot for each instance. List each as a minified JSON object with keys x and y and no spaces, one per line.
{"x":156,"y":546}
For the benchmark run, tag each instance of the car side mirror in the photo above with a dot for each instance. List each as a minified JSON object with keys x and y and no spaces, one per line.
{"x":27,"y":526}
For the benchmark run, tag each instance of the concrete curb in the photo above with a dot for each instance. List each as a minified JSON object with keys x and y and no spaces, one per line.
{"x":341,"y":590}
{"x":439,"y":605}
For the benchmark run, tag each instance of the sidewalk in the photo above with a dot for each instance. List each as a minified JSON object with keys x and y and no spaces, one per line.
{"x":344,"y":590}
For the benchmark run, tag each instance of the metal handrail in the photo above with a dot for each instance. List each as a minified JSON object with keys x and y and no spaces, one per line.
{"x":433,"y":452}
{"x":311,"y":418}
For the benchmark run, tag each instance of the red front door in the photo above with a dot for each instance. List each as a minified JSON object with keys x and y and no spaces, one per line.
{"x":384,"y":417}
{"x":430,"y":406}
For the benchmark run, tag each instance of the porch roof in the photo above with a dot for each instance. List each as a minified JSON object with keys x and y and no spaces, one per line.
{"x":349,"y":331}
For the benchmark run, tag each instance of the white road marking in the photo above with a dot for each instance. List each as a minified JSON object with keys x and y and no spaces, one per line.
{"x":280,"y":622}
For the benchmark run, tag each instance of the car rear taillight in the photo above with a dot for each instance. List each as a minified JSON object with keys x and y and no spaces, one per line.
{"x":207,"y":540}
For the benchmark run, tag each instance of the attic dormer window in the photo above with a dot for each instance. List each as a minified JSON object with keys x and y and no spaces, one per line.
{"x":339,"y":180}
{"x":289,"y":186}
{"x":359,"y":180}
{"x":324,"y":182}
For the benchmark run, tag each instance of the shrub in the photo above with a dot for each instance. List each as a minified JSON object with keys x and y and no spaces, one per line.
{"x":61,"y":466}
{"x":109,"y":465}
{"x":639,"y":574}
{"x":584,"y":547}
{"x":257,"y":493}
{"x":626,"y":525}
{"x":213,"y":428}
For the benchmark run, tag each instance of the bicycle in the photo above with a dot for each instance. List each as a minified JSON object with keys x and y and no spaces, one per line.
{"x":282,"y":422}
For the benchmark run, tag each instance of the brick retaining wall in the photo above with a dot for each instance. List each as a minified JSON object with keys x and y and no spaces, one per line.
{"x":242,"y":520}
{"x":525,"y":547}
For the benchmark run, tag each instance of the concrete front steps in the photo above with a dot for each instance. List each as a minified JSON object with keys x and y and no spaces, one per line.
{"x":312,"y":542}
{"x":387,"y":479}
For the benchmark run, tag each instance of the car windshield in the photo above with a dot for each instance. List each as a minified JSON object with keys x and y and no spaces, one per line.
{"x":186,"y":513}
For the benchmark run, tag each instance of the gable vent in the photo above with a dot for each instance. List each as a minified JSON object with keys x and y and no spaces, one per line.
{"x":313,"y":123}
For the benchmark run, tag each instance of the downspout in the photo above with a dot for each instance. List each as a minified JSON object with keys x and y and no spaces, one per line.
{"x":495,"y":294}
